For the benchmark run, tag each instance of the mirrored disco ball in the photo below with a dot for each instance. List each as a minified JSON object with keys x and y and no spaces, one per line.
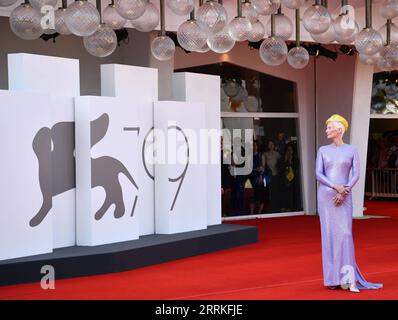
{"x":316,"y":19}
{"x":191,"y":36}
{"x":212,"y":17}
{"x":249,"y":12}
{"x":298,"y":57}
{"x":283,"y":27}
{"x":60,"y":24}
{"x":393,"y":33}
{"x":37,"y":4}
{"x":350,"y":39}
{"x":389,"y":9}
{"x":112,"y":18}
{"x":369,"y":60}
{"x":257,"y":32}
{"x":293,"y":4}
{"x":149,"y":20}
{"x":273,"y":51}
{"x":327,"y":37}
{"x":25,"y":22}
{"x":239,"y":28}
{"x":266,"y":7}
{"x":7,"y":3}
{"x":220,"y":42}
{"x":130,"y":9}
{"x":368,"y":41}
{"x":102,"y":43}
{"x":82,"y":18}
{"x":181,"y":7}
{"x":231,"y":88}
{"x":385,"y":65}
{"x":163,"y":48}
{"x":390,"y":54}
{"x":204,"y":49}
{"x":344,"y":25}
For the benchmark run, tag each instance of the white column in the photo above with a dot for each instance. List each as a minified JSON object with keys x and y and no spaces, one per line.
{"x":59,"y":79}
{"x":180,"y":181}
{"x":360,"y":128}
{"x":140,"y":85}
{"x":194,"y":87}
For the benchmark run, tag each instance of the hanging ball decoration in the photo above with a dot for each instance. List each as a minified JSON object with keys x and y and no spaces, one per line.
{"x":327,"y":37}
{"x":112,"y":18}
{"x":163,"y":48}
{"x":273,"y":51}
{"x":316,"y":19}
{"x":239,"y":28}
{"x":368,"y":41}
{"x":191,"y":36}
{"x":25,"y":22}
{"x":249,"y":12}
{"x":385,"y":65}
{"x":298,"y":57}
{"x":293,"y":4}
{"x":82,"y":18}
{"x":369,"y":60}
{"x":257,"y":32}
{"x":283,"y":27}
{"x":390,"y":54}
{"x":60,"y":23}
{"x":131,"y":9}
{"x":7,"y":3}
{"x":38,"y":4}
{"x":350,"y":39}
{"x":393,"y":33}
{"x":149,"y":20}
{"x":389,"y":9}
{"x":220,"y":42}
{"x":266,"y":7}
{"x":204,"y":49}
{"x":102,"y":43}
{"x":212,"y":17}
{"x":344,"y":25}
{"x":181,"y":7}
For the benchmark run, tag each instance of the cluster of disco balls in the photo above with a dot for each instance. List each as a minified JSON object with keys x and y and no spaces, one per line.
{"x":81,"y":18}
{"x":371,"y":44}
{"x":211,"y":29}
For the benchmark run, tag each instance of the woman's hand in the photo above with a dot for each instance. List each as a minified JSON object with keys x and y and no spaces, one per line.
{"x":342,"y":189}
{"x":338,"y":199}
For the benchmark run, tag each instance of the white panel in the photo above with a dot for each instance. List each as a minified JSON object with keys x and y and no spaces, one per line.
{"x":38,"y":73}
{"x":25,"y":225}
{"x":141,"y":86}
{"x":360,"y":120}
{"x":183,"y":210}
{"x":58,"y":78}
{"x":107,"y":161}
{"x":194,"y":87}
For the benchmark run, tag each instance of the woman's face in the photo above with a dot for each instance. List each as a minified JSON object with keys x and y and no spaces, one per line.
{"x":271,"y":146}
{"x":331,"y":131}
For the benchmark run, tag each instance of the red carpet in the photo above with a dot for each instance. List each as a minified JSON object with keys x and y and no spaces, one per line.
{"x":285,"y":264}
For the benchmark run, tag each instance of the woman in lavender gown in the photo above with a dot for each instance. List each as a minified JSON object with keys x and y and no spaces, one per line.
{"x":333,"y":165}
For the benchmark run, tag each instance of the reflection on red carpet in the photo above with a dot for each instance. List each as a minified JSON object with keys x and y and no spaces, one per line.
{"x":284,"y":264}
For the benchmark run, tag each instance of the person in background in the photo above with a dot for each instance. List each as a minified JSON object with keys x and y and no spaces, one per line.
{"x":257,"y":181}
{"x":272,"y":159}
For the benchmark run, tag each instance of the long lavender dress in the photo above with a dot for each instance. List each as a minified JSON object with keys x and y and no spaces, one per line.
{"x":333,"y":166}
